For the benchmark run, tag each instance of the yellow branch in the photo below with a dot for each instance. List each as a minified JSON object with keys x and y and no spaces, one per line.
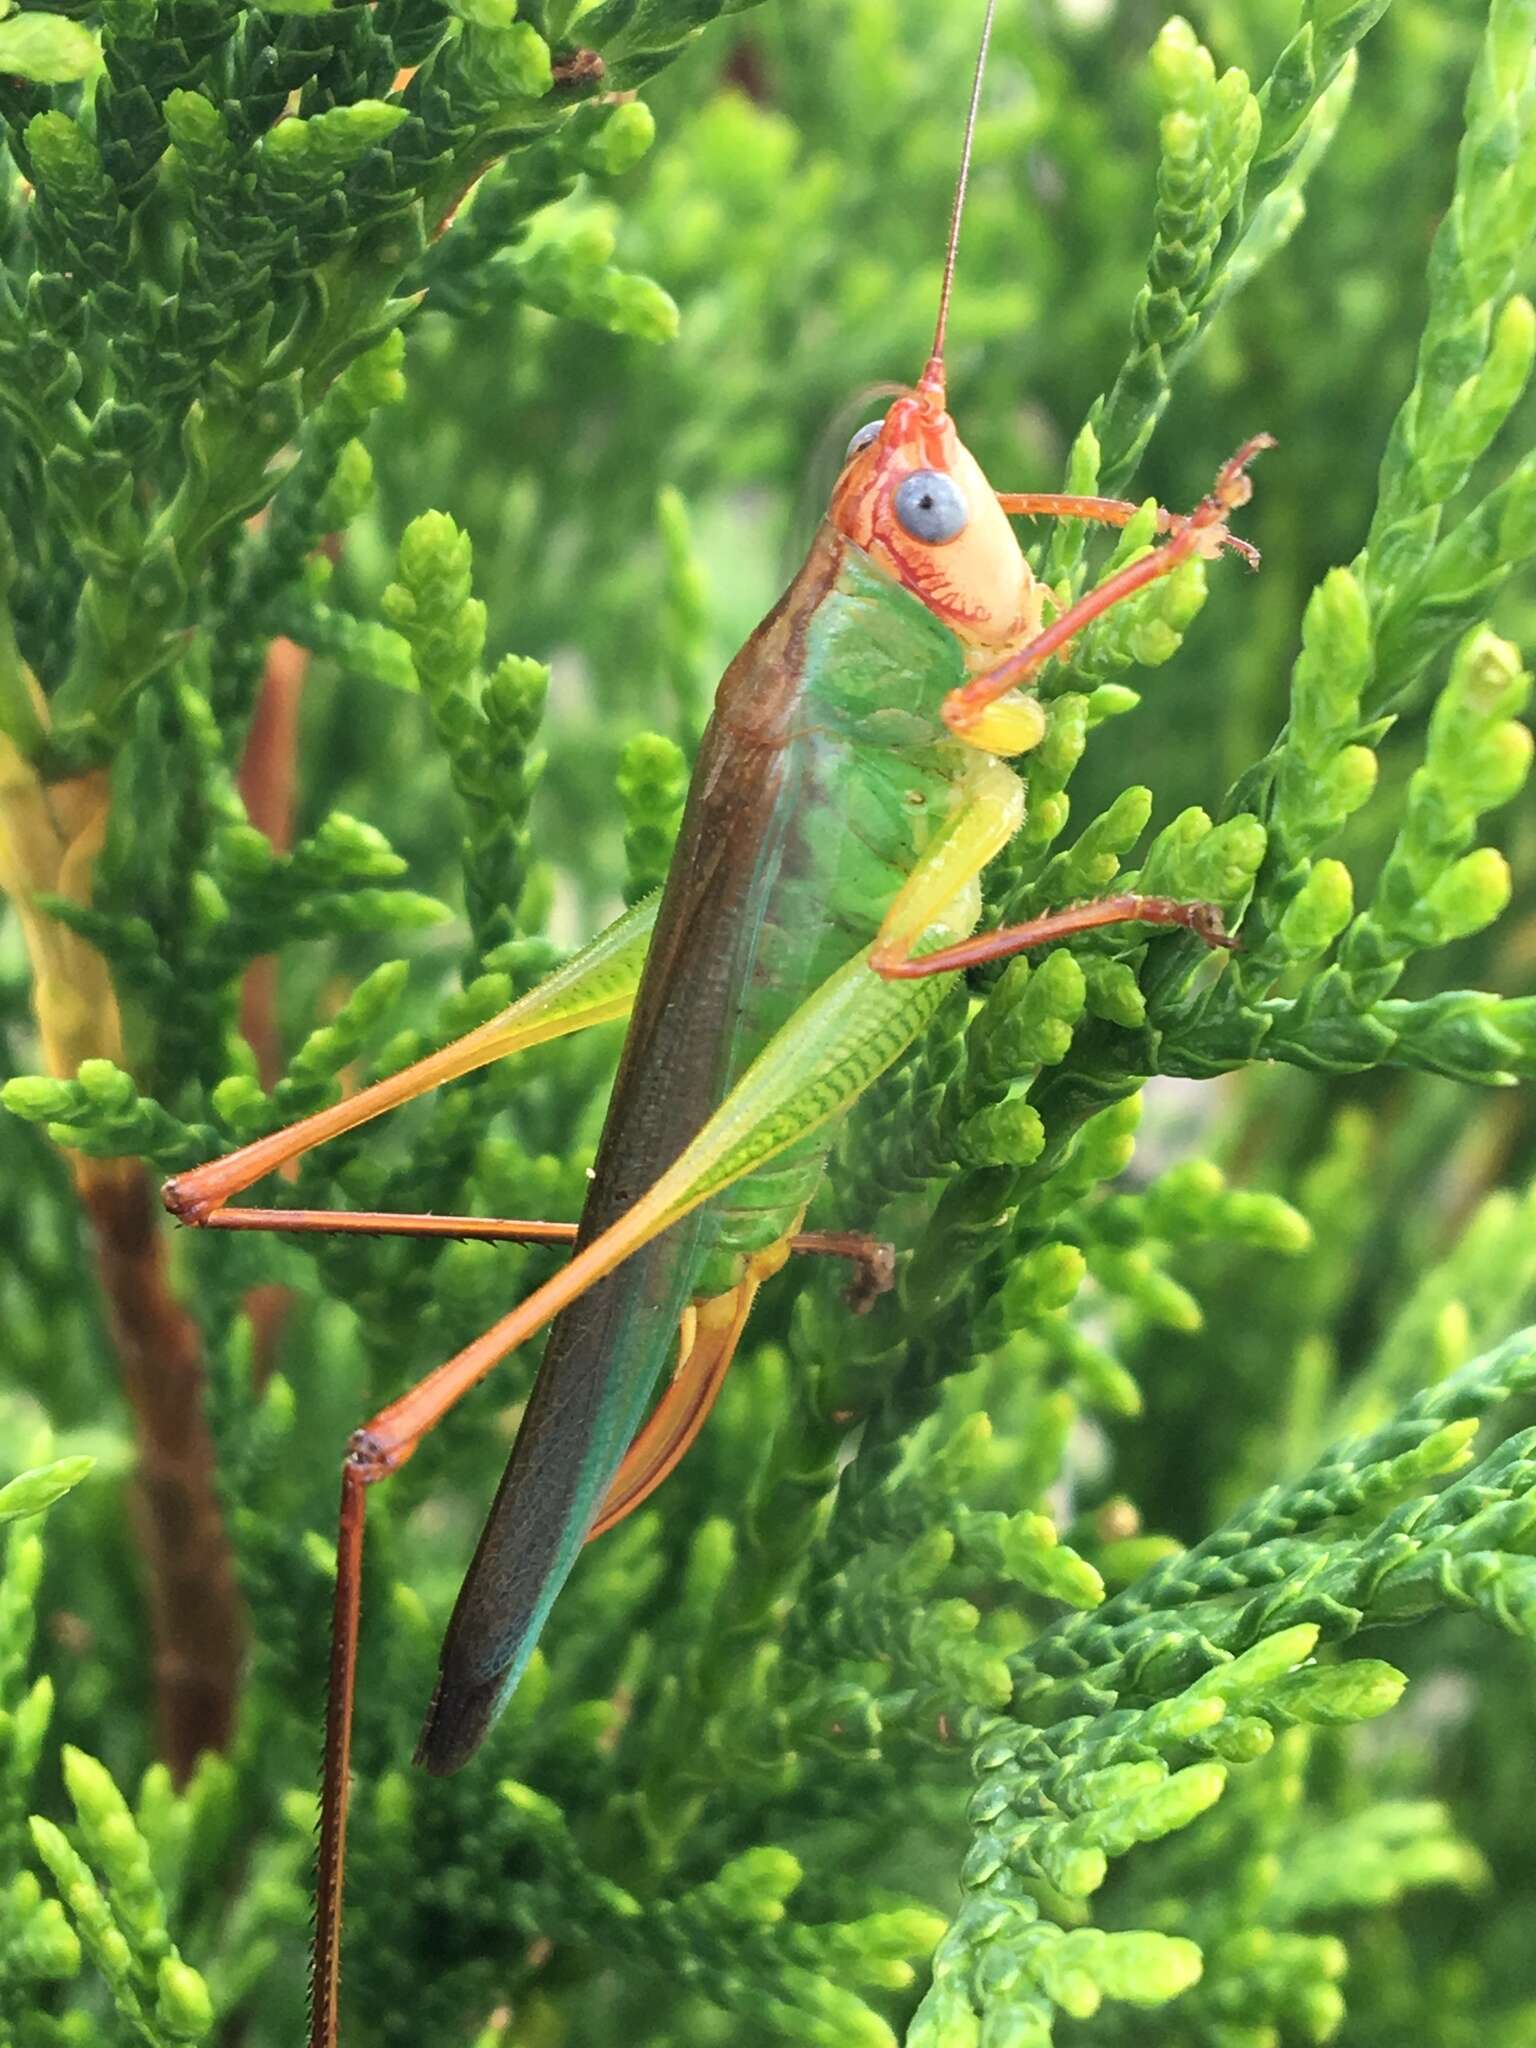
{"x":50,"y":836}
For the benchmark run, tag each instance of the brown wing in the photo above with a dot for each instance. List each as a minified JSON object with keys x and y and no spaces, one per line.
{"x":606,"y":1351}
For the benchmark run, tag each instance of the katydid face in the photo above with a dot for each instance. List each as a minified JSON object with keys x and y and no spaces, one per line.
{"x":914,"y":498}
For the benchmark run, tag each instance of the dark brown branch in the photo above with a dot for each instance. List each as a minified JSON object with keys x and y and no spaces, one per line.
{"x":193,"y":1602}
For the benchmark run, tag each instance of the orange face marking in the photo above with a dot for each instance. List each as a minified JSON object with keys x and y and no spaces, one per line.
{"x":978,"y":583}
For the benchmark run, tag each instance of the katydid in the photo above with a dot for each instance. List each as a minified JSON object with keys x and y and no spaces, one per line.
{"x":851,"y":787}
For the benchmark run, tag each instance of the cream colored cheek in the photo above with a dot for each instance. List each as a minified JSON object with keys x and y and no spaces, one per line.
{"x":1003,"y":575}
{"x":1029,"y":610}
{"x":1014,"y":624}
{"x":1003,"y":583}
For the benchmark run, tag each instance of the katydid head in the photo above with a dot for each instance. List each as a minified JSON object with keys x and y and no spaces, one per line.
{"x":913,"y":496}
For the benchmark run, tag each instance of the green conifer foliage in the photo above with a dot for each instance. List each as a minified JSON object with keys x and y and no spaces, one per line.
{"x":1121,"y":1632}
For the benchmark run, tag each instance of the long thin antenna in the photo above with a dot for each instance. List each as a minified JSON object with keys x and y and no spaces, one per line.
{"x":936,"y":362}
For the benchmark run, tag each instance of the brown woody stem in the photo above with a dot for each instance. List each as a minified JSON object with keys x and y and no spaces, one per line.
{"x":194,"y":1606}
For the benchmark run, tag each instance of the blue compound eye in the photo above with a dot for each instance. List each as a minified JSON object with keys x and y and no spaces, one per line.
{"x":930,"y":507}
{"x":867,"y":433}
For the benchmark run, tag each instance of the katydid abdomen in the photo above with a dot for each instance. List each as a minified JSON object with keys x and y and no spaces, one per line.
{"x":824,"y":774}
